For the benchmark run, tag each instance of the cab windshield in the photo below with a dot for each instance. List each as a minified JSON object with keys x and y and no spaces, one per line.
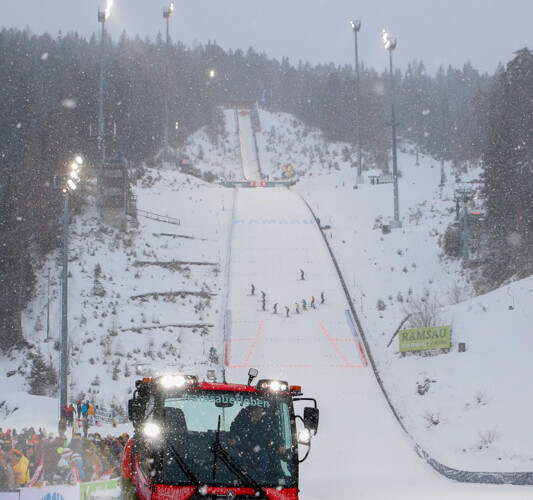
{"x":251,"y":432}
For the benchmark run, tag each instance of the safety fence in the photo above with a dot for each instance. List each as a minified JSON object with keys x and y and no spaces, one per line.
{"x":158,"y":217}
{"x":517,"y":478}
{"x":251,"y":184}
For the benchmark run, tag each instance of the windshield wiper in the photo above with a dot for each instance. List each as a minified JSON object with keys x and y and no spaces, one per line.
{"x":216,"y":446}
{"x":183,"y":465}
{"x":231,"y":463}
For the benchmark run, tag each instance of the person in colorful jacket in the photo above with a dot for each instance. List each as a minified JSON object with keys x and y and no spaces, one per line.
{"x":20,"y":465}
{"x":90,"y":414}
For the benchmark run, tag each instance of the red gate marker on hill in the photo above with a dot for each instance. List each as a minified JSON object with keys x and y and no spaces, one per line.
{"x":339,"y":351}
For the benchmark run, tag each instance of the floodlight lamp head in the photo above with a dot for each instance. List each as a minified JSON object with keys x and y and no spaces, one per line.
{"x":356,"y":25}
{"x":390,"y":43}
{"x":167,"y":11}
{"x":104,"y":12}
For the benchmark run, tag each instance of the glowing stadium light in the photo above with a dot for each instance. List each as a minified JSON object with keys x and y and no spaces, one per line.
{"x":108,"y":8}
{"x":390,"y":43}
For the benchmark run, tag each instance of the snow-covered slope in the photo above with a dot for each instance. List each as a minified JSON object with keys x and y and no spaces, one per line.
{"x":462,"y":418}
{"x":139,"y":301}
{"x":159,"y":309}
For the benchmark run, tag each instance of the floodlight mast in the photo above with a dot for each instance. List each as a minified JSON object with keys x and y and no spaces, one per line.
{"x":167,"y":13}
{"x":70,"y":186}
{"x":356,"y":26}
{"x":103,"y":14}
{"x":390,"y":45}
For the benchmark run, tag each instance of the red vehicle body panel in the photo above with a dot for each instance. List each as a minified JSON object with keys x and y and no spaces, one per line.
{"x":125,"y":465}
{"x":167,"y":492}
{"x":209,"y":386}
{"x":164,"y":492}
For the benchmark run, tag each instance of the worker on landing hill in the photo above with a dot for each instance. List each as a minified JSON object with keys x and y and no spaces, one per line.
{"x":264,"y":305}
{"x":253,"y":290}
{"x":313,"y":302}
{"x":302,"y":277}
{"x":297,"y":307}
{"x":304,"y":305}
{"x":287,"y":310}
{"x":322,"y":299}
{"x":275,"y":308}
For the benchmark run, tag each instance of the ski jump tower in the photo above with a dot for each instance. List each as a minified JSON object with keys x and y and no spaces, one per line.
{"x":113,"y":189}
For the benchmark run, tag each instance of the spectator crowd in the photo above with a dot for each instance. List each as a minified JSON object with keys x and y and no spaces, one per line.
{"x":37,"y":458}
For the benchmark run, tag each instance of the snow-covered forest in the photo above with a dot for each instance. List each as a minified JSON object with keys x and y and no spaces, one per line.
{"x":49,"y":91}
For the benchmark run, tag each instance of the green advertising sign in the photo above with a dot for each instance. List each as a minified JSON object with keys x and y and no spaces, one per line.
{"x":99,"y":488}
{"x":424,"y":339}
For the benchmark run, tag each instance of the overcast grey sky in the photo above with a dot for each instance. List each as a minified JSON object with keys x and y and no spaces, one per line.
{"x":485,"y":32}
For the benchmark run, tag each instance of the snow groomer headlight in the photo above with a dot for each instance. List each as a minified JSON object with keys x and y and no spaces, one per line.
{"x":152,"y":430}
{"x":170,"y":381}
{"x":272,"y":385}
{"x":304,"y":436}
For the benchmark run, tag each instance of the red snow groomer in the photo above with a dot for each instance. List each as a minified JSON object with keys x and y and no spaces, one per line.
{"x":206,"y":440}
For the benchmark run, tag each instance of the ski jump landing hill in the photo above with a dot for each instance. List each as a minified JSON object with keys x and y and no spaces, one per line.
{"x":361,"y":451}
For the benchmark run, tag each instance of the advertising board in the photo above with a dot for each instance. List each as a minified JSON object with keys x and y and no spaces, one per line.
{"x":424,"y":339}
